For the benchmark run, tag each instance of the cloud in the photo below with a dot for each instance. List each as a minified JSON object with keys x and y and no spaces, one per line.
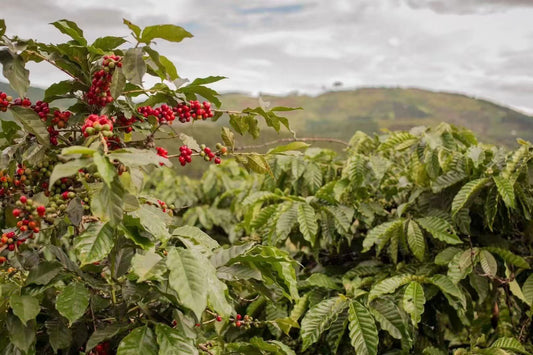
{"x":471,"y":46}
{"x":467,"y":6}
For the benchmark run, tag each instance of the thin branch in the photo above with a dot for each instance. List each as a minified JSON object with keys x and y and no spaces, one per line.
{"x":284,"y":140}
{"x":55,"y":65}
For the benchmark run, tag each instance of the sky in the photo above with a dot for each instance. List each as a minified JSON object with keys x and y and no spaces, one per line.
{"x":482,"y":48}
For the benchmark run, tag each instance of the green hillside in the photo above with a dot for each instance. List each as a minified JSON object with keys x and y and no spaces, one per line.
{"x":340,"y":113}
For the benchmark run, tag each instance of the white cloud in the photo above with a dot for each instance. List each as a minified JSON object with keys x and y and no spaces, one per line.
{"x":471,"y":46}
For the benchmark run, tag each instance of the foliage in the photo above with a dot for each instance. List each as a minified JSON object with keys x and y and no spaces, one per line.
{"x":415,"y":240}
{"x":92,"y":261}
{"x":412,"y":242}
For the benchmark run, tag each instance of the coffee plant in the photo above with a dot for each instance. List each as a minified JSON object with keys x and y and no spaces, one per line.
{"x":90,"y":260}
{"x":413,"y":242}
{"x":409,"y":242}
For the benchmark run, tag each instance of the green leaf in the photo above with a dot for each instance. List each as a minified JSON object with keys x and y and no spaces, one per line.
{"x":20,"y":335}
{"x":134,"y":66}
{"x":68,"y":169}
{"x":319,"y":280}
{"x":319,"y":318}
{"x":108,"y":43}
{"x":307,"y":222}
{"x":134,"y":157}
{"x":336,"y":332}
{"x":15,"y":72}
{"x":107,"y":203}
{"x":73,"y":301}
{"x":59,"y":335}
{"x":416,"y":240}
{"x":527,"y":290}
{"x":118,"y":81}
{"x":25,"y":307}
{"x":154,"y":221}
{"x":222,"y":255}
{"x":254,"y":162}
{"x":197,"y":236}
{"x":467,"y":194}
{"x":413,"y":301}
{"x":447,"y":287}
{"x":440,"y":229}
{"x":170,"y":33}
{"x":462,"y":265}
{"x":78,"y":149}
{"x":363,"y":332}
{"x":390,"y":319}
{"x":509,"y":343}
{"x":140,"y":341}
{"x":506,"y":190}
{"x":71,"y":29}
{"x":172,"y":342}
{"x":388,"y":285}
{"x":31,"y":123}
{"x":134,"y":28}
{"x":190,"y":142}
{"x":2,"y":27}
{"x":147,"y":266}
{"x":491,"y":207}
{"x":275,"y":266}
{"x":509,"y":257}
{"x":105,"y":333}
{"x":188,"y":278}
{"x":381,"y":234}
{"x":445,"y":256}
{"x":106,"y":170}
{"x":43,"y":273}
{"x":228,"y":138}
{"x":488,"y":263}
{"x":288,"y":147}
{"x":95,"y":243}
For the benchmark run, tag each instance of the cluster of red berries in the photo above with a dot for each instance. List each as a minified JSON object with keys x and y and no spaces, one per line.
{"x":25,"y":102}
{"x":185,"y":155}
{"x":99,"y":92}
{"x":208,"y":155}
{"x":162,"y":205}
{"x":126,"y":124}
{"x":184,"y":111}
{"x":164,"y":113}
{"x":29,"y":214}
{"x":101,"y":349}
{"x":194,"y":109}
{"x":162,"y":152}
{"x":94,"y":124}
{"x":5,"y":101}
{"x":42,"y":109}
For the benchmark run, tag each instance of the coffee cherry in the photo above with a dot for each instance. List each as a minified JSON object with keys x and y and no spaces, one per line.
{"x":16,"y":212}
{"x":23,"y":199}
{"x":217,"y":160}
{"x":238,"y":323}
{"x":219,"y":319}
{"x":238,"y":317}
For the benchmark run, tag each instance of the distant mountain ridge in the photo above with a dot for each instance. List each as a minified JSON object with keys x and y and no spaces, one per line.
{"x":339,"y":114}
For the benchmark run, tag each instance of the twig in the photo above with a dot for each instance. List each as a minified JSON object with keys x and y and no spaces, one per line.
{"x":283,"y":140}
{"x":55,"y":65}
{"x":204,"y":348}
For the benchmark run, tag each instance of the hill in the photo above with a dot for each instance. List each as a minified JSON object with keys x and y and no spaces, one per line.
{"x":340,"y":113}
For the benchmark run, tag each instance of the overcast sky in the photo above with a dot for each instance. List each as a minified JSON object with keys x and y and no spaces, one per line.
{"x":481,"y":48}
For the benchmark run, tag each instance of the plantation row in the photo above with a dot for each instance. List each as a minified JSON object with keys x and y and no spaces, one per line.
{"x":415,"y":242}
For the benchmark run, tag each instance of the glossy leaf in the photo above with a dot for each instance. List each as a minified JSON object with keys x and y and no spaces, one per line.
{"x":73,"y":301}
{"x":363,"y":331}
{"x":140,"y":341}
